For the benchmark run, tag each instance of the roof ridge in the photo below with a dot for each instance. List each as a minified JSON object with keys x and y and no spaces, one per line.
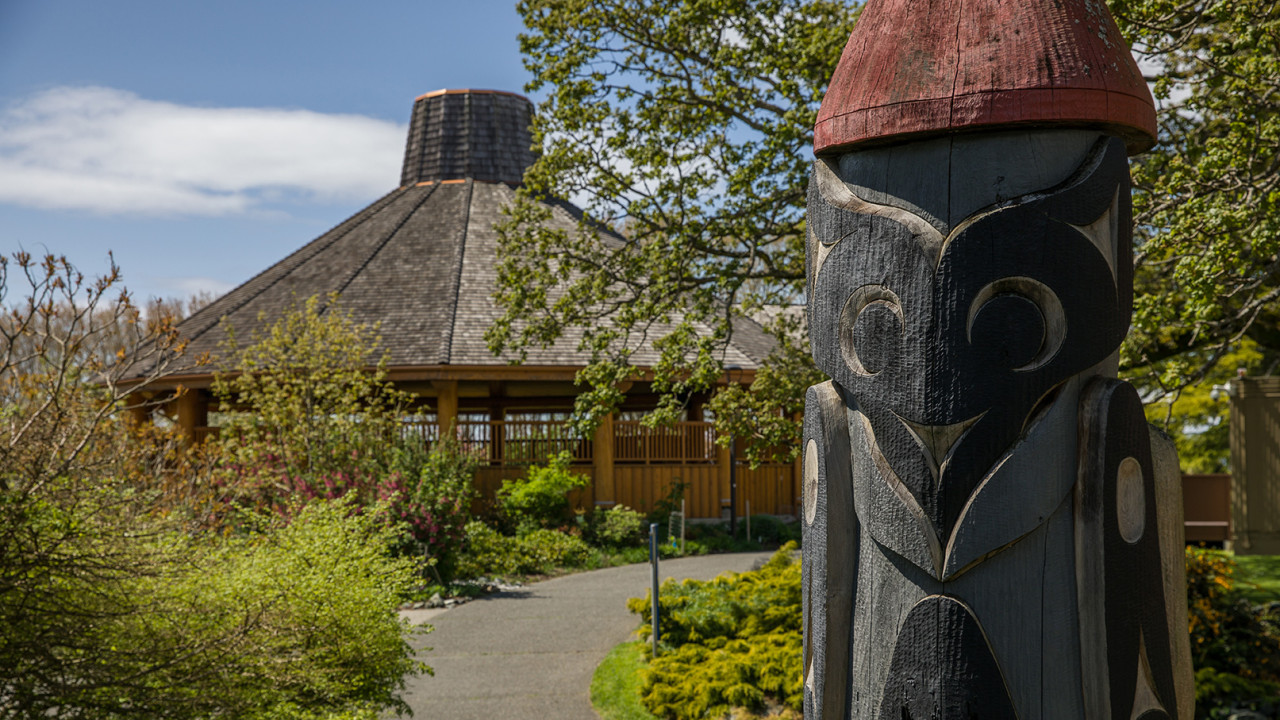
{"x":417,"y":206}
{"x":346,"y":226}
{"x":457,"y":279}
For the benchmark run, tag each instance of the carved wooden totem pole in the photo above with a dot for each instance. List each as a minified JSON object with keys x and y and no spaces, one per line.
{"x":991,"y":530}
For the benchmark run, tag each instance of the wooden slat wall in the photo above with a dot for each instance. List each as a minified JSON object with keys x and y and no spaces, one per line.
{"x":1206,"y":507}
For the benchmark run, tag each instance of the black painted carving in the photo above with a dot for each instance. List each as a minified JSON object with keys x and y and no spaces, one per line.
{"x":931,"y":368}
{"x":942,"y":667}
{"x":1114,"y":433}
{"x":981,"y":530}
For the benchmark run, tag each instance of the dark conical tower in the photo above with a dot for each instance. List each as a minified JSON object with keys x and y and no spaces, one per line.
{"x":477,"y":134}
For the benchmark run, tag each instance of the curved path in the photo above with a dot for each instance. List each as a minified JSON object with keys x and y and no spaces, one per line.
{"x":530,"y":653}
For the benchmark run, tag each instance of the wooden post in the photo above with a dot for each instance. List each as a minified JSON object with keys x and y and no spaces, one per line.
{"x":602,"y":462}
{"x":446,"y":405}
{"x":989,"y":529}
{"x":193,"y":413}
{"x":139,"y":409}
{"x":724,"y":468}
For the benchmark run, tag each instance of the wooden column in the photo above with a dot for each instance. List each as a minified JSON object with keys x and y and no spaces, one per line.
{"x":139,"y":409}
{"x":724,"y":467}
{"x":989,"y":530}
{"x":446,"y":405}
{"x":602,"y":463}
{"x":193,"y":412}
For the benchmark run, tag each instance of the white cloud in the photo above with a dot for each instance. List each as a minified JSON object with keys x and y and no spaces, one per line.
{"x":184,"y":287}
{"x":111,"y":151}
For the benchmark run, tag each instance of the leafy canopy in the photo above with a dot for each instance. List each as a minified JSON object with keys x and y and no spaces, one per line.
{"x":685,"y":127}
{"x":677,"y":124}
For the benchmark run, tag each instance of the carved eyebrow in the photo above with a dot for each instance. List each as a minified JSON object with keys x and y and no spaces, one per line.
{"x":838,"y":194}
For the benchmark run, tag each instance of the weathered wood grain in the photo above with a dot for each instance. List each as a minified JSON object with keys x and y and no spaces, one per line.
{"x":1131,"y":639}
{"x":830,"y":566}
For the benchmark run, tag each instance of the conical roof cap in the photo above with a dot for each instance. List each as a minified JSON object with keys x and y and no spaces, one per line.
{"x":927,"y":67}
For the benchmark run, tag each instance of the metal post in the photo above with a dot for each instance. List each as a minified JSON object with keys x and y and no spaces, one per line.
{"x":684,"y":520}
{"x":653,"y":576}
{"x":733,"y":489}
{"x":733,"y":466}
{"x":748,"y":521}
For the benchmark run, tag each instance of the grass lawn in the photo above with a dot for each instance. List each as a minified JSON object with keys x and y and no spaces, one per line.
{"x":615,"y":686}
{"x":1258,"y":577}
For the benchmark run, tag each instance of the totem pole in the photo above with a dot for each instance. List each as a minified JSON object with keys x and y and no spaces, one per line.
{"x":991,"y":528}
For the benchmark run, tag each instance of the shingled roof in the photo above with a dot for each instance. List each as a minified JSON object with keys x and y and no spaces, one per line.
{"x":421,"y":260}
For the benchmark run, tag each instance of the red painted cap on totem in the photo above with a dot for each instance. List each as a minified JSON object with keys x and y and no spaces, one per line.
{"x":928,"y":67}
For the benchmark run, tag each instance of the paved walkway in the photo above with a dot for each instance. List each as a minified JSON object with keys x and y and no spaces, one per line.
{"x":530,"y":653}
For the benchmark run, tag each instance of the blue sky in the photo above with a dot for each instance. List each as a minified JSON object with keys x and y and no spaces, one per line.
{"x":201,"y":142}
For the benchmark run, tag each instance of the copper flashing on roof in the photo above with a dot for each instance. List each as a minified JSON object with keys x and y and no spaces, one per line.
{"x":455,"y":91}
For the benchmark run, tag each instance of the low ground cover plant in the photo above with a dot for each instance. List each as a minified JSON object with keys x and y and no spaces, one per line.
{"x":732,"y":642}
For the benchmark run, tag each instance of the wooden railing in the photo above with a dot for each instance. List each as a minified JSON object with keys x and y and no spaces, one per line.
{"x":683,"y":442}
{"x":519,"y":442}
{"x":514,"y":442}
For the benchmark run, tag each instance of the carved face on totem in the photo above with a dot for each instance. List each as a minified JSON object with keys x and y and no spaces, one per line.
{"x":950,"y":310}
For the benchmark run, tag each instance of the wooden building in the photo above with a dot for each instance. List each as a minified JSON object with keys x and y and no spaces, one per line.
{"x":1255,"y":465}
{"x":421,"y":262}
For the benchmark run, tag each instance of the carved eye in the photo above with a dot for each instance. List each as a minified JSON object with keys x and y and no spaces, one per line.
{"x":871,"y":329}
{"x":1018,"y":319}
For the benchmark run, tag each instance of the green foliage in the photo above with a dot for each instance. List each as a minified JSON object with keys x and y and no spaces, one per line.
{"x":1207,"y":206}
{"x":731,"y":642}
{"x":615,"y":685}
{"x":430,"y":492}
{"x":115,"y":599}
{"x":1235,"y":646}
{"x":312,"y":411}
{"x":315,"y":418}
{"x":686,"y":125}
{"x":1193,"y":416}
{"x":541,"y":500}
{"x":615,"y":528}
{"x":300,"y":617}
{"x":488,"y":552}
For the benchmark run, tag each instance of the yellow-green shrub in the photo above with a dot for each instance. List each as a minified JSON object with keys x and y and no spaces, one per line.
{"x":730,"y":642}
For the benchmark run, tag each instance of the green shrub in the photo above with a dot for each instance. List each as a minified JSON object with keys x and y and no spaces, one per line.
{"x":730,"y":642}
{"x":430,"y":493}
{"x":542,"y":499}
{"x":617,"y":527}
{"x":295,"y":621}
{"x":1235,"y":646}
{"x":489,"y":552}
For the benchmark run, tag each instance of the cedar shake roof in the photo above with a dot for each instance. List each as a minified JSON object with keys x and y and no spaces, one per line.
{"x":421,"y":260}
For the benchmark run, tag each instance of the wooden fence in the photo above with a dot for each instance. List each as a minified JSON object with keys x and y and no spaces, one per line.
{"x":643,"y":468}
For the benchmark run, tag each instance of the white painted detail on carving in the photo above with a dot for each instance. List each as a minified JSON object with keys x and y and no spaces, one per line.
{"x":1131,"y":501}
{"x":810,"y":482}
{"x":1045,"y":300}
{"x":1104,"y":231}
{"x":938,"y":441}
{"x":853,"y":307}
